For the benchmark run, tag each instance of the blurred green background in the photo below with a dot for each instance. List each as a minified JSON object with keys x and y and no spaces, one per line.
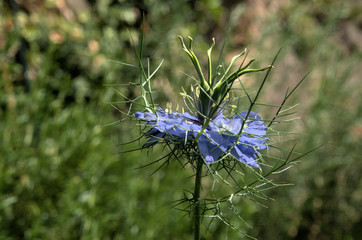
{"x":61,"y":172}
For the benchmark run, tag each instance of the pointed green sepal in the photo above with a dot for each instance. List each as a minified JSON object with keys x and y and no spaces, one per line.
{"x":203,"y":83}
{"x":210,"y":63}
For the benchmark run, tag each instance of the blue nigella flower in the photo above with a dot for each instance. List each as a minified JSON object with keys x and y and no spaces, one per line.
{"x":241,"y":136}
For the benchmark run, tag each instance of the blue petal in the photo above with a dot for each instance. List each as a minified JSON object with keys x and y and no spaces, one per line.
{"x":177,"y":125}
{"x":252,"y":115}
{"x":209,"y":151}
{"x":189,"y":116}
{"x":256,"y":128}
{"x":235,"y":125}
{"x":245,"y":148}
{"x":245,"y":154}
{"x":147,"y":116}
{"x":216,"y":139}
{"x":139,"y":115}
{"x":254,"y":123}
{"x":176,"y":131}
{"x":259,"y":143}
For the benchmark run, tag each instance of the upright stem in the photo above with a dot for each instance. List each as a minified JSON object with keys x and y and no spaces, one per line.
{"x":199,"y":164}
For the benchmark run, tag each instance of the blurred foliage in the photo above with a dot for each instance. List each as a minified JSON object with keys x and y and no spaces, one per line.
{"x":61,"y":173}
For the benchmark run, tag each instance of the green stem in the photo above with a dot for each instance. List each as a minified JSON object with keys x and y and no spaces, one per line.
{"x":199,"y":164}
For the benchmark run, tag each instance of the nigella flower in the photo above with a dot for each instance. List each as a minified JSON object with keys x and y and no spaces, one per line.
{"x":240,"y":136}
{"x":205,"y":135}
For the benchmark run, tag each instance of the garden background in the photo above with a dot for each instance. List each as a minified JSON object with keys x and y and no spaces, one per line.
{"x":62,"y":175}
